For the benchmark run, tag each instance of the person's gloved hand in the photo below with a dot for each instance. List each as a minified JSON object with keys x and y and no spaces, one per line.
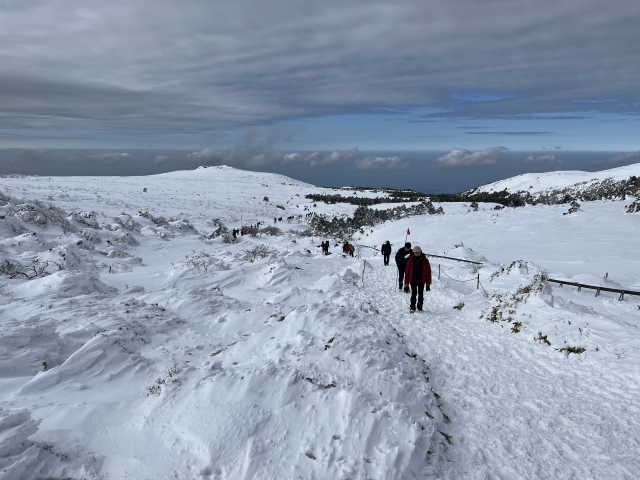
{"x":428,"y":288}
{"x":406,"y":288}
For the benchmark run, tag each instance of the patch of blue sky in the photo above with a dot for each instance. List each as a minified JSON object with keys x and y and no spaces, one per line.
{"x":475,"y":96}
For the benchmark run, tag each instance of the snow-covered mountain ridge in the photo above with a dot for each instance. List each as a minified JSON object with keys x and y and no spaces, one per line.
{"x":563,"y":187}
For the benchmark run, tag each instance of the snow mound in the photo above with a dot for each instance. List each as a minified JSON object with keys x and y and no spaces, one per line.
{"x":18,"y":456}
{"x":65,"y":284}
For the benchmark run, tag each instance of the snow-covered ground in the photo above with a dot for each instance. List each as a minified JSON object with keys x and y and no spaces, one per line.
{"x":159,"y":353}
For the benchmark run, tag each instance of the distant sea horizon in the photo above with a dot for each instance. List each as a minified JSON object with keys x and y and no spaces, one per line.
{"x":422,"y":174}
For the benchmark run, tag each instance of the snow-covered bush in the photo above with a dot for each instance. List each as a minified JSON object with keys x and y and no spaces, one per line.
{"x":259,"y":251}
{"x":126,"y":222}
{"x":36,"y":269}
{"x":220,"y":231}
{"x":634,"y":207}
{"x":575,"y":206}
{"x":159,"y":221}
{"x":34,"y":212}
{"x":271,"y":230}
{"x":251,"y":230}
{"x":198,"y":260}
{"x":87,"y":219}
{"x":9,"y":267}
{"x":125,"y":238}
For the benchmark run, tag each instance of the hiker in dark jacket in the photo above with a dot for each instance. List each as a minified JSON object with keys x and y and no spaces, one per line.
{"x":417,"y":274}
{"x":401,"y":261}
{"x":386,"y":252}
{"x":345,"y":248}
{"x":326,"y":247}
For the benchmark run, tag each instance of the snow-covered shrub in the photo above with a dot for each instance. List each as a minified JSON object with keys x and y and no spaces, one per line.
{"x":182,"y":224}
{"x":220,"y":231}
{"x":251,"y":230}
{"x":88,"y":219}
{"x":303,"y":233}
{"x":159,"y":221}
{"x":36,"y":269}
{"x":259,"y":251}
{"x":504,"y":305}
{"x":228,"y":238}
{"x":201,"y":260}
{"x":126,"y":222}
{"x":474,"y":206}
{"x":265,"y":199}
{"x":575,"y":206}
{"x":34,"y":212}
{"x":634,"y":207}
{"x":9,"y":267}
{"x":125,"y":238}
{"x":271,"y":230}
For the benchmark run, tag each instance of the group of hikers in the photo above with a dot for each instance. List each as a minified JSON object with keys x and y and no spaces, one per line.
{"x":242,"y":230}
{"x":347,"y":248}
{"x":414,"y":272}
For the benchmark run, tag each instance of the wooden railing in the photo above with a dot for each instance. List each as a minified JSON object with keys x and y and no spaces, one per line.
{"x":596,"y":288}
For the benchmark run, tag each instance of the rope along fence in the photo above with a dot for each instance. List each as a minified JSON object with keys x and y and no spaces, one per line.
{"x":477,"y":278}
{"x":580,"y":286}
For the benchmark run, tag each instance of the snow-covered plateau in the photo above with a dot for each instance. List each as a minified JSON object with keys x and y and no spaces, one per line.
{"x":138,"y":340}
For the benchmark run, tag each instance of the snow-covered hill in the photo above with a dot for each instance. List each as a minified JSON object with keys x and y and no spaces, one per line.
{"x":135,"y":344}
{"x":561,"y":187}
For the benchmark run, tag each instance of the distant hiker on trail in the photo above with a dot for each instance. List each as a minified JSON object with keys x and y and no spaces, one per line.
{"x":352,"y":249}
{"x":402,"y":256}
{"x":234,"y":233}
{"x":417,"y":274}
{"x":326,"y":247}
{"x":323,"y":246}
{"x":386,"y":251}
{"x":345,"y":248}
{"x":275,"y":220}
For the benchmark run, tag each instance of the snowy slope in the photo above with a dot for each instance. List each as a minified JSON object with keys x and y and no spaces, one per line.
{"x":539,"y":182}
{"x":156,"y":352}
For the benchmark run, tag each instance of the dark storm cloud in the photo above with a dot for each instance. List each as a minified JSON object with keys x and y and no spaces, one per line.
{"x":217,"y":65}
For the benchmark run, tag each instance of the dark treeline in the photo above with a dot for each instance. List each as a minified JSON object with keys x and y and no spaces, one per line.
{"x":607,"y":189}
{"x":345,"y":227}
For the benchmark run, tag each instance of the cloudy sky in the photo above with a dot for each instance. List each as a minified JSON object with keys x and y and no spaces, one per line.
{"x":316,"y":84}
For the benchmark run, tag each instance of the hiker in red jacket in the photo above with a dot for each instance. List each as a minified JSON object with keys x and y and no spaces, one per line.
{"x":417,"y":274}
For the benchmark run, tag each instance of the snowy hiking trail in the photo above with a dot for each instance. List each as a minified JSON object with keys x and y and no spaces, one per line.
{"x":518,"y":409}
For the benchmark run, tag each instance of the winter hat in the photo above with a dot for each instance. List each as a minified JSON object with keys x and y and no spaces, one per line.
{"x":407,"y":245}
{"x":417,"y":250}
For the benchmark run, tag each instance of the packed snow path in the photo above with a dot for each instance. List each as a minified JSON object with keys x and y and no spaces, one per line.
{"x":518,"y":409}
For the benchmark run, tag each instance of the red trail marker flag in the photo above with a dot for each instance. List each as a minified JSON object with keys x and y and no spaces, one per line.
{"x":408,"y":232}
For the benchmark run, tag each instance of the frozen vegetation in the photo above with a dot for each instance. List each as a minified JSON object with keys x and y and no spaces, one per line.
{"x":140,"y":339}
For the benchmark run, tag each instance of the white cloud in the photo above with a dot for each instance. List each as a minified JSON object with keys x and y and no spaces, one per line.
{"x":625,"y":157}
{"x":206,"y":155}
{"x":337,"y":156}
{"x":111,"y":158}
{"x":459,"y":157}
{"x":161,"y":158}
{"x":291,"y":157}
{"x":370,"y":163}
{"x":549,"y":159}
{"x":250,"y":155}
